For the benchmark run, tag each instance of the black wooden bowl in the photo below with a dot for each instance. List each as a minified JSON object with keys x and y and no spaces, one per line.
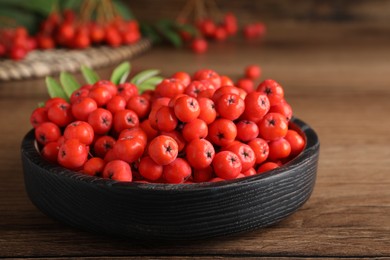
{"x":169,"y":211}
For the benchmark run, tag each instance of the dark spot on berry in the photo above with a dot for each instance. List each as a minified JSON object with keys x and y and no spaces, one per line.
{"x":209,"y":154}
{"x":220,"y":135}
{"x":105,"y":121}
{"x":231,"y":100}
{"x":271,"y":122}
{"x":129,"y":120}
{"x":42,"y":137}
{"x":268,"y":91}
{"x":168,"y":149}
{"x":63,"y":106}
{"x":63,"y":153}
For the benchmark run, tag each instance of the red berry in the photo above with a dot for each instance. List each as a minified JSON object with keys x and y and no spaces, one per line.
{"x":273,"y":126}
{"x":72,"y":154}
{"x":94,"y":166}
{"x":256,"y":106}
{"x":178,"y":171}
{"x":47,"y":132}
{"x":199,"y":45}
{"x":81,"y":131}
{"x":163,"y":149}
{"x":279,"y":149}
{"x":118,"y":170}
{"x":268,"y":166}
{"x":227,"y":165}
{"x":260,"y":148}
{"x":296,"y":141}
{"x":252,"y":72}
{"x":222,"y":132}
{"x":186,"y":108}
{"x":129,"y":149}
{"x":149,"y":169}
{"x":200,"y":153}
{"x":38,"y":116}
{"x":273,"y":90}
{"x":230,"y":106}
{"x":102,"y":145}
{"x":50,"y":152}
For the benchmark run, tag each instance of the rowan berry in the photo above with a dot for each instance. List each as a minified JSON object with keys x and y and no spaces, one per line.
{"x":178,"y":171}
{"x":296,"y":142}
{"x":273,"y":126}
{"x":230,"y":106}
{"x":268,"y":166}
{"x":72,"y":154}
{"x":94,"y":166}
{"x":222,"y":132}
{"x":118,"y":170}
{"x":200,"y":153}
{"x":81,"y":131}
{"x":208,"y":112}
{"x":260,"y":148}
{"x":186,"y":108}
{"x":196,"y":129}
{"x":149,"y":169}
{"x":247,"y":130}
{"x":100,"y":120}
{"x":38,"y":116}
{"x":279,"y":149}
{"x":163,"y":149}
{"x":226,"y":165}
{"x":273,"y":90}
{"x":47,"y":132}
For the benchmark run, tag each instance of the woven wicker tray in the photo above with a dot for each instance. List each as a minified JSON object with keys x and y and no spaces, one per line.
{"x":43,"y":63}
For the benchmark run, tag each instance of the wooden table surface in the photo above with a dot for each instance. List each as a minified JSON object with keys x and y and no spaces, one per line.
{"x":337,"y":79}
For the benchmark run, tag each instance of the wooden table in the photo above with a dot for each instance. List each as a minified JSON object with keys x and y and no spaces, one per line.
{"x":336,"y":77}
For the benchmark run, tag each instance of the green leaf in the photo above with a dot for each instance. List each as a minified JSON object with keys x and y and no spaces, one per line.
{"x":90,"y":76}
{"x":123,"y":10}
{"x":120,"y":73}
{"x":41,"y":104}
{"x":69,"y":83}
{"x":54,"y":89}
{"x":168,"y":31}
{"x":150,"y":32}
{"x":41,"y":7}
{"x":18,"y":17}
{"x":153,"y":80}
{"x":144,"y":75}
{"x":143,"y":87}
{"x":70,"y":4}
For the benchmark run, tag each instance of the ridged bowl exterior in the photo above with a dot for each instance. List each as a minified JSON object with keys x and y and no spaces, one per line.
{"x":170,"y":212}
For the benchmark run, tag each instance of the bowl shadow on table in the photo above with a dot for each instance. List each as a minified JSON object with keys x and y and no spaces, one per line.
{"x":171,"y":213}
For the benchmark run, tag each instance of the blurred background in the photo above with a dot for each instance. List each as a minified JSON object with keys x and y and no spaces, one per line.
{"x":373,"y":11}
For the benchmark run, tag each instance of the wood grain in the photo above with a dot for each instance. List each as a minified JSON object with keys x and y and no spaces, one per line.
{"x":337,"y":78}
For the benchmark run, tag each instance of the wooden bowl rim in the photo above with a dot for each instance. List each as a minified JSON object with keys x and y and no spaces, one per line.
{"x":30,"y":151}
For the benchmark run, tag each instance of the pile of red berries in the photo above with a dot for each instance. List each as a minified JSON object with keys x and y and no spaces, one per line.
{"x":16,"y":43}
{"x":187,"y":130}
{"x":67,"y":30}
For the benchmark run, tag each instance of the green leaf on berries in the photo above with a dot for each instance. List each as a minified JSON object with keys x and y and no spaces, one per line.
{"x":120,"y":73}
{"x":143,"y":87}
{"x":54,"y":89}
{"x":144,"y":75}
{"x":153,"y":80}
{"x":69,"y":83}
{"x":41,"y":104}
{"x":90,"y":76}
